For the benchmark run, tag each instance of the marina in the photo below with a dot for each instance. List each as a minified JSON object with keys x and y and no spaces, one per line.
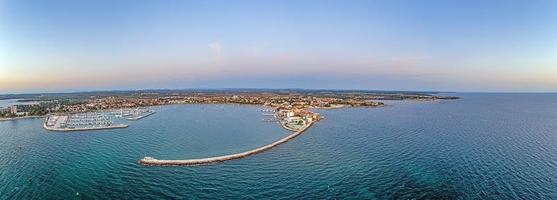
{"x":80,"y":122}
{"x":94,"y":120}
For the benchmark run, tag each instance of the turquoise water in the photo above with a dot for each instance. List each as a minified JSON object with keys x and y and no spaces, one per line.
{"x":488,"y":146}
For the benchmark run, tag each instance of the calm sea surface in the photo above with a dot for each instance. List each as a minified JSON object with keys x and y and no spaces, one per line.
{"x":483,"y":146}
{"x":9,"y":102}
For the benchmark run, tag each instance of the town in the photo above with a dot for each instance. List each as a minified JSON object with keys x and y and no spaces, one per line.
{"x":292,"y":107}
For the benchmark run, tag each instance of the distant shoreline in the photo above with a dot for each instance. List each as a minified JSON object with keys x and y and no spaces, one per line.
{"x":18,"y":118}
{"x":226,"y":103}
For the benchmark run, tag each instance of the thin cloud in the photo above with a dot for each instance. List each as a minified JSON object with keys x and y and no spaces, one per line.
{"x":216,"y":47}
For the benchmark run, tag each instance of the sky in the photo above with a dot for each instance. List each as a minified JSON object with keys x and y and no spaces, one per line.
{"x":426,"y":45}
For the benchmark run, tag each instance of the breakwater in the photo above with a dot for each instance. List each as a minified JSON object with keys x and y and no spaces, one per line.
{"x":151,"y":161}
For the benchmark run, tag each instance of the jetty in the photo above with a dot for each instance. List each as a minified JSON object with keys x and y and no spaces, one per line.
{"x":140,"y":116}
{"x":151,"y":161}
{"x":133,"y":114}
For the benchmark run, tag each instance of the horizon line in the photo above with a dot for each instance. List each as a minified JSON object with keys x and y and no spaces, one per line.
{"x":265,"y":88}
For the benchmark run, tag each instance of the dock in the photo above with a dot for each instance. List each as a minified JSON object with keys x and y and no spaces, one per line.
{"x":138,"y":117}
{"x":151,"y":161}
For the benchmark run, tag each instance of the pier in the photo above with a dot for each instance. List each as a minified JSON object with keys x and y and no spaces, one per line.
{"x":133,"y":114}
{"x":141,"y":116}
{"x":151,"y":161}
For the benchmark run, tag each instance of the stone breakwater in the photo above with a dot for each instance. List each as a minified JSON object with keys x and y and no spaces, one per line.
{"x":150,"y":161}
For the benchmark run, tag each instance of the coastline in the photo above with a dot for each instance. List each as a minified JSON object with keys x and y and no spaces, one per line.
{"x":24,"y":117}
{"x":169,"y":104}
{"x":151,"y":161}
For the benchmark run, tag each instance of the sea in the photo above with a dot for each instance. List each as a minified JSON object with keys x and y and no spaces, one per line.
{"x":5,"y":103}
{"x":482,"y":146}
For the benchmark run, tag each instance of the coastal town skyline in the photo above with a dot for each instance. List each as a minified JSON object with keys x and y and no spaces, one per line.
{"x":470,"y":46}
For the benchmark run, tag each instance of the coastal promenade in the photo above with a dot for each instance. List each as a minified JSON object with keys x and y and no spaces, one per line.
{"x":150,"y":161}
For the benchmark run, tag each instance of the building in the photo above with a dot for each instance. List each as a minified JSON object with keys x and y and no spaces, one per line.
{"x":4,"y":110}
{"x":290,"y":114}
{"x":295,"y":121}
{"x":13,"y":109}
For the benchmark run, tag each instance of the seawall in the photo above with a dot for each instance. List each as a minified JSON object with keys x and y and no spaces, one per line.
{"x":150,"y":161}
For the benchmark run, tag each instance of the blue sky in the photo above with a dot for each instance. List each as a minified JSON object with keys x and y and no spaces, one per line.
{"x":471,"y":45}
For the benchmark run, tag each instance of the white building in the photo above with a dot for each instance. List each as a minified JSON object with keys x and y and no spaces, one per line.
{"x":13,"y":109}
{"x":290,"y":114}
